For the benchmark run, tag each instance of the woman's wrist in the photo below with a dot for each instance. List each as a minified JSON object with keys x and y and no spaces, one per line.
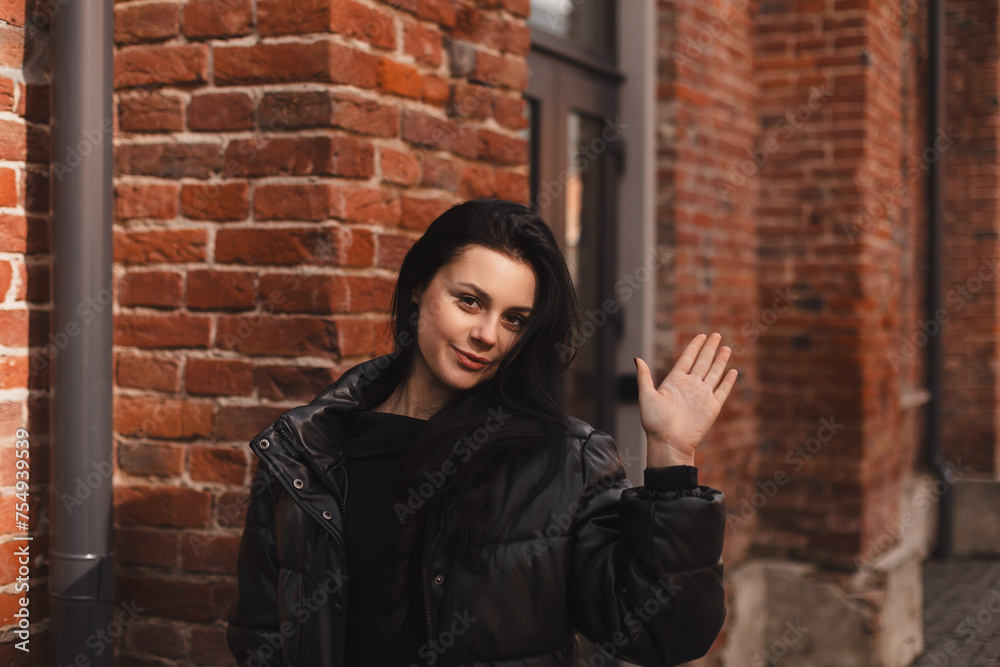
{"x":661,"y":455}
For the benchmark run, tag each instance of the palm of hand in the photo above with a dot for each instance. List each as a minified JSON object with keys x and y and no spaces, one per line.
{"x":678,"y":414}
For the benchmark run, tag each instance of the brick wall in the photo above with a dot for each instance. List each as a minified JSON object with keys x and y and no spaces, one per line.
{"x":970,"y":429}
{"x":24,"y":342}
{"x":274,"y":160}
{"x":707,"y":136}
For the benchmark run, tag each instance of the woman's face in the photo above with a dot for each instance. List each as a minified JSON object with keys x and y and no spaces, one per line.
{"x":471,"y":313}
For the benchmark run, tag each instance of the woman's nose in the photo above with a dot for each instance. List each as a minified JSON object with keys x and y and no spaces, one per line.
{"x":486,"y":332}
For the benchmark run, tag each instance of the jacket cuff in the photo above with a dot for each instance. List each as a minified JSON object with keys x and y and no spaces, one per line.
{"x":671,"y":478}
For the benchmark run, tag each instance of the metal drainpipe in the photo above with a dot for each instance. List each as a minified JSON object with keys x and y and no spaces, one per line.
{"x":81,"y":564}
{"x":935,"y":242}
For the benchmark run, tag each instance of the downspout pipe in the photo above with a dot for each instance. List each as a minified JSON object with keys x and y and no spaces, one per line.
{"x":81,"y":561}
{"x":935,"y":245}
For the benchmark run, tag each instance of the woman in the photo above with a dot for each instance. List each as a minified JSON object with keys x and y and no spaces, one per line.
{"x":437,"y":506}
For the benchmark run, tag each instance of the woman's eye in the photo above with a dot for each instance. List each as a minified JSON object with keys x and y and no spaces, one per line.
{"x":469,"y":300}
{"x":515,"y":321}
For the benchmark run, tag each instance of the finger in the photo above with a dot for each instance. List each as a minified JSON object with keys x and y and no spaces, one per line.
{"x":690,"y":353}
{"x":643,"y":376}
{"x":718,"y":366}
{"x":722,"y":393}
{"x":705,"y":356}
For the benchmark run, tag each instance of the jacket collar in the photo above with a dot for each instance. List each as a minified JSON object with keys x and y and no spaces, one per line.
{"x":317,"y":429}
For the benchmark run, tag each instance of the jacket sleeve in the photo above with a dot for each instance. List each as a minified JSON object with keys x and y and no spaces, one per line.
{"x":253,"y":633}
{"x":646,"y":575}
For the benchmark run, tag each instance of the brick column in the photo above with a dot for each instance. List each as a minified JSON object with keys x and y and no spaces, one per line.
{"x":707,"y":188}
{"x":274,"y":160}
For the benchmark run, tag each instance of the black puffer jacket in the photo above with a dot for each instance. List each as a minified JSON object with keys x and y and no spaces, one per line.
{"x":638,"y":570}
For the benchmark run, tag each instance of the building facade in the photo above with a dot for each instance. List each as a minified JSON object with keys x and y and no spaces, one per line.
{"x":754,"y":168}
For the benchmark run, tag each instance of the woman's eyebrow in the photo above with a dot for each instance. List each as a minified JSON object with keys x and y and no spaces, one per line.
{"x":488,"y":299}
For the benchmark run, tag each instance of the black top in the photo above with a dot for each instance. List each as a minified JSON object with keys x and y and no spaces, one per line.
{"x":375,"y":445}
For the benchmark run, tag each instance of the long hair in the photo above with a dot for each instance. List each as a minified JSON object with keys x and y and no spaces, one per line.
{"x":525,"y":387}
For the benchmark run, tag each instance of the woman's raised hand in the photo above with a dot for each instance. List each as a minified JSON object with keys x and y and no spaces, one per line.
{"x":677,"y":414}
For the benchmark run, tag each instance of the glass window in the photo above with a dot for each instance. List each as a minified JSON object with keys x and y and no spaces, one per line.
{"x":588,"y":25}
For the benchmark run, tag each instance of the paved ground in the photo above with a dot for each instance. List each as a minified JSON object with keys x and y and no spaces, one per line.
{"x":961,"y":613}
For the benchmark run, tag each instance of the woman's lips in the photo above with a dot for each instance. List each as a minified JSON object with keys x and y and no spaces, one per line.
{"x":470,"y":362}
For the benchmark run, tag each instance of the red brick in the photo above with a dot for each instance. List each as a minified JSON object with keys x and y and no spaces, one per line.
{"x":370,"y":293}
{"x":468,"y":100}
{"x":239,"y":423}
{"x":161,"y":506}
{"x":443,"y":173}
{"x":147,"y":372}
{"x":13,"y":140}
{"x":291,"y":383}
{"x":357,"y":337}
{"x":220,"y":290}
{"x":14,"y":234}
{"x":35,"y":102}
{"x":218,"y":377}
{"x":502,"y":149}
{"x":322,"y":155}
{"x":210,"y":552}
{"x":204,"y":19}
{"x":140,"y":200}
{"x":11,"y":47}
{"x":224,"y":202}
{"x":170,"y":599}
{"x":277,"y":336}
{"x":291,"y":293}
{"x":419,"y":213}
{"x":146,"y":23}
{"x":284,"y":17}
{"x":165,"y":640}
{"x":423,"y":42}
{"x":357,"y":247}
{"x":439,"y":11}
{"x":399,"y":167}
{"x":150,"y":113}
{"x":513,"y":186}
{"x":146,"y":65}
{"x":477,"y":181}
{"x":14,"y":327}
{"x":223,"y":465}
{"x":13,"y":372}
{"x":352,"y":19}
{"x":209,"y":645}
{"x":369,"y":206}
{"x":391,"y":250}
{"x":423,"y":130}
{"x":168,"y":160}
{"x":8,"y":187}
{"x":399,"y":78}
{"x":12,"y":12}
{"x":209,"y":112}
{"x":296,"y":108}
{"x":6,"y":275}
{"x":293,"y":62}
{"x":297,"y":201}
{"x":365,"y":116}
{"x":154,"y":417}
{"x":478,"y":27}
{"x":161,"y":331}
{"x":155,"y":247}
{"x":277,"y":246}
{"x":36,"y":191}
{"x":510,"y":112}
{"x":501,"y":72}
{"x":436,"y":90}
{"x":230,"y":510}
{"x":7,"y":91}
{"x":155,"y":289}
{"x":151,"y":460}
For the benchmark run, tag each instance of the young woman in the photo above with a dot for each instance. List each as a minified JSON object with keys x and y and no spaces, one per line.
{"x":436,"y":506}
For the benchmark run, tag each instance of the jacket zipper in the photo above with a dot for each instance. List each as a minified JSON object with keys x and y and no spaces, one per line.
{"x":423,"y":566}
